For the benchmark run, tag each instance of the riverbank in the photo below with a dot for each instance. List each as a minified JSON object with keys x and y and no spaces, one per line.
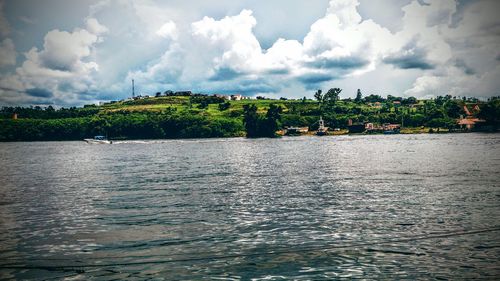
{"x":202,"y":116}
{"x":279,"y":134}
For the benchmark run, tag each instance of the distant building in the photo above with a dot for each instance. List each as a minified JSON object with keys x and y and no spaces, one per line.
{"x":14,"y":116}
{"x":222,"y":96}
{"x":236,"y":97}
{"x":466,"y":110}
{"x":391,"y":127}
{"x":470,"y":112}
{"x":469,"y":123}
{"x":370,"y":127}
{"x":355,"y":128}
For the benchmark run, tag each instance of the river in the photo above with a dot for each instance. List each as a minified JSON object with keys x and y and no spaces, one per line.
{"x":302,"y":208}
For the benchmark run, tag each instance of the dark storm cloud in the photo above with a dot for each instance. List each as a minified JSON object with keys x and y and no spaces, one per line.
{"x":54,"y":64}
{"x":90,"y":95}
{"x":257,"y":86}
{"x":410,"y":57}
{"x":467,"y":69}
{"x":340,"y":63}
{"x":462,"y":40}
{"x":408,"y":62}
{"x":224,"y":74}
{"x":315,"y":78}
{"x":279,"y":71}
{"x":39,"y":93}
{"x":246,"y":87}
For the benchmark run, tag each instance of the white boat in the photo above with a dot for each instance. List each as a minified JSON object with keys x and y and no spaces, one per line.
{"x":322,"y":130}
{"x":98,"y":140}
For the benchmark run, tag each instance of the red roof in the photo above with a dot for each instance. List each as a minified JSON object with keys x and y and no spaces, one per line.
{"x":466,"y":109}
{"x":469,"y":121}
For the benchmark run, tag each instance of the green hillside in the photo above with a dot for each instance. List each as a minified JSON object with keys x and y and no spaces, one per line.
{"x":199,"y":116}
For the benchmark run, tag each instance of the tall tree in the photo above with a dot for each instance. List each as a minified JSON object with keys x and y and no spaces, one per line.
{"x":490,"y":112}
{"x":454,"y":108}
{"x":359,"y":96}
{"x":318,"y":95}
{"x":332,"y":95}
{"x":251,"y":120}
{"x":272,"y":122}
{"x":259,"y":126}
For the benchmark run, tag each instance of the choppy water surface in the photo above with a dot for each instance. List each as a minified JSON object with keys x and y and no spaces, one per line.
{"x":217,"y":209}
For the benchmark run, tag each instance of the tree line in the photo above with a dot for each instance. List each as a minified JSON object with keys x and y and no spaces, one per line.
{"x":199,"y":116}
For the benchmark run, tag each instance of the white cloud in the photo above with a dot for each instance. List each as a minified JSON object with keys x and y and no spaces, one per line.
{"x":341,"y":44}
{"x":438,"y":47}
{"x":60,"y":71}
{"x":345,"y":11}
{"x":455,"y":82}
{"x":227,"y":51}
{"x":465,"y":55}
{"x":230,"y":41}
{"x":166,"y":71}
{"x":168,"y":30}
{"x":7,"y":53}
{"x":64,"y":50}
{"x":94,"y":27}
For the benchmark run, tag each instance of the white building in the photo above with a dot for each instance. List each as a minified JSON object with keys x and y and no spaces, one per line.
{"x":236,"y":97}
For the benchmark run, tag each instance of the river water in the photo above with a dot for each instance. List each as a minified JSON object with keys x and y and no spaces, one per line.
{"x":302,"y":208}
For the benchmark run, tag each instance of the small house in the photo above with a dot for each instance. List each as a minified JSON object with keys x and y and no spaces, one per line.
{"x":222,"y":96}
{"x":356,"y":128}
{"x":236,"y":97}
{"x":391,"y":127}
{"x":469,"y":123}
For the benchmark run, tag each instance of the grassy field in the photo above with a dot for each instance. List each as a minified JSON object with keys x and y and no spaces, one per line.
{"x":208,"y":116}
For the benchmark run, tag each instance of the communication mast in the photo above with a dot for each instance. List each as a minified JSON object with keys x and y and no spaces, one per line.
{"x":133,"y":89}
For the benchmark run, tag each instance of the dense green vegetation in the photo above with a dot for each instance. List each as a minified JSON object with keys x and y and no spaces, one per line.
{"x":195,"y":116}
{"x":257,"y":125}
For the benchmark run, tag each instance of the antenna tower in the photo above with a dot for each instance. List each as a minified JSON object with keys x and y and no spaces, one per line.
{"x":133,"y":89}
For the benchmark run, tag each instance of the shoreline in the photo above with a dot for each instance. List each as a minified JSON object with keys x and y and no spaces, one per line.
{"x":407,"y":131}
{"x":203,"y":116}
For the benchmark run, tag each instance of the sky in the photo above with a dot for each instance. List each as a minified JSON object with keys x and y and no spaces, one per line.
{"x":71,"y":53}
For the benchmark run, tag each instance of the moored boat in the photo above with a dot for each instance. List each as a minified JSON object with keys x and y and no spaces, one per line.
{"x":322,"y":130}
{"x":98,"y":140}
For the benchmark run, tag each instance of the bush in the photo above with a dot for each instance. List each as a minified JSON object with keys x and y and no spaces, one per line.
{"x":224,"y":106}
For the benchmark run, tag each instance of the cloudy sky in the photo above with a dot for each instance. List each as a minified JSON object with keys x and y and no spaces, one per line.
{"x":69,"y":53}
